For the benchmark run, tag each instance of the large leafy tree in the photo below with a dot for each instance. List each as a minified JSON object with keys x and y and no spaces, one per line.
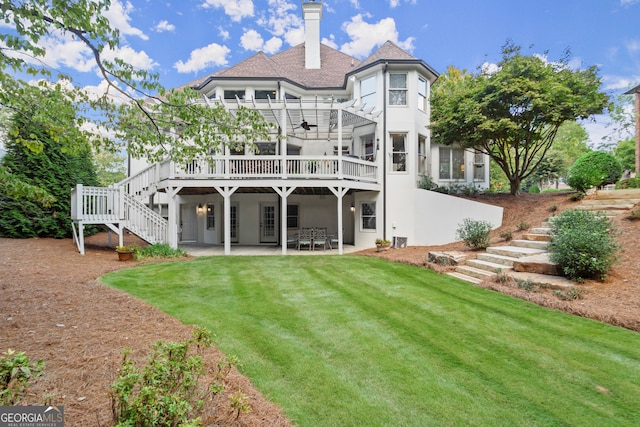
{"x":513,"y":113}
{"x":168,"y":124}
{"x":51,"y":169}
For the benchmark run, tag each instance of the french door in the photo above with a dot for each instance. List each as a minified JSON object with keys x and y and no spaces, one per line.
{"x":268,"y":223}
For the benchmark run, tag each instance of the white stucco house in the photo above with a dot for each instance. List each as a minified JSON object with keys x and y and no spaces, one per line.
{"x":350,"y":144}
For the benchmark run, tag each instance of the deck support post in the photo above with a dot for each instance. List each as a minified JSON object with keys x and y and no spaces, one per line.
{"x":226,"y":193}
{"x":283,"y":192}
{"x":339,"y":192}
{"x":172,"y":227}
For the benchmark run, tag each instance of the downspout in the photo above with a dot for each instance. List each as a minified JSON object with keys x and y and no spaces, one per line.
{"x":384,"y":150}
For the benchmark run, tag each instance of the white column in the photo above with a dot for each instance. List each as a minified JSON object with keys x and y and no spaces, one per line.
{"x":226,"y":193}
{"x":339,"y":192}
{"x":283,"y":192}
{"x":172,"y":227}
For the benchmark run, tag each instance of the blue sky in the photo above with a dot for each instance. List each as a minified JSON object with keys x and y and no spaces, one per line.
{"x":183,"y":40}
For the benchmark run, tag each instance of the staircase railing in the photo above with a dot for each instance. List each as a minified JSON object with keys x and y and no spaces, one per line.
{"x":142,"y":221}
{"x":114,"y":206}
{"x":142,"y":184}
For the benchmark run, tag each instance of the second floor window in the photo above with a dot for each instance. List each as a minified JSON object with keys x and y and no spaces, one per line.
{"x":265,"y":94}
{"x":397,"y":89}
{"x":232,"y":94}
{"x":422,"y":94}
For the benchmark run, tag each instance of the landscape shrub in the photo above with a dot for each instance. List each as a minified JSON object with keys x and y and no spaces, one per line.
{"x":583,"y":244}
{"x":628,"y":183}
{"x":167,"y":391}
{"x":506,"y":235}
{"x":159,"y":250}
{"x":594,"y":169}
{"x":474,"y":233}
{"x":426,"y":183}
{"x":16,"y":375}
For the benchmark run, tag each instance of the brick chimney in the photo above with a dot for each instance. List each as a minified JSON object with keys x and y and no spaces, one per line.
{"x":312,"y":13}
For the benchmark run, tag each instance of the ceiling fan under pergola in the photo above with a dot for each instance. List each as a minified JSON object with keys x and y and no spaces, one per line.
{"x":306,"y":126}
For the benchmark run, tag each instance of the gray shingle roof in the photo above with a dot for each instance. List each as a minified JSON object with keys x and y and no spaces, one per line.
{"x":290,"y":65}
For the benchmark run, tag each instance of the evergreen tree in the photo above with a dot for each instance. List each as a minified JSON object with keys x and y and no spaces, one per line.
{"x":53,"y":169}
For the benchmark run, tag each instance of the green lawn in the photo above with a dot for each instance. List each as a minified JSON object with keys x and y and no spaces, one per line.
{"x":356,"y":341}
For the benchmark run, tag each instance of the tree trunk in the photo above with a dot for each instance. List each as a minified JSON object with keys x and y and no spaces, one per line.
{"x":514,"y":184}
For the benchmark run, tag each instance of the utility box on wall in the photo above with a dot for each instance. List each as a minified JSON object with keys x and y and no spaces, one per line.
{"x":399,"y":242}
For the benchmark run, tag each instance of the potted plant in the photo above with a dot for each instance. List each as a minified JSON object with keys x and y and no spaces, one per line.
{"x":126,"y":252}
{"x":382,"y":244}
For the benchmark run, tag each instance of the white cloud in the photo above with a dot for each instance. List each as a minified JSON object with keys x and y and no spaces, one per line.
{"x":283,"y":20}
{"x":396,"y":3}
{"x":331,"y":41}
{"x":224,"y":34}
{"x":633,"y":46}
{"x":235,"y":9}
{"x":251,"y":40}
{"x":619,"y":83}
{"x":489,"y":68}
{"x":294,"y":36}
{"x":208,"y":56}
{"x":101,"y":89}
{"x":137,"y":59}
{"x":364,"y":36}
{"x":625,"y":3}
{"x":65,"y":52}
{"x":165,"y":26}
{"x":118,"y":16}
{"x":272,"y":45}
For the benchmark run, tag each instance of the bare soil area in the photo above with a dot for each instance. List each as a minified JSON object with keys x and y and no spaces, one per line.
{"x":52,"y":307}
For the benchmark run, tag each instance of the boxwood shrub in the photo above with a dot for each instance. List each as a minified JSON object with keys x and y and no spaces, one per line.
{"x":584,"y":244}
{"x":594,"y":169}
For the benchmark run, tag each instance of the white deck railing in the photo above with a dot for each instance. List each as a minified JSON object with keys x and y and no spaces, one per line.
{"x":113,"y":205}
{"x":272,"y":167}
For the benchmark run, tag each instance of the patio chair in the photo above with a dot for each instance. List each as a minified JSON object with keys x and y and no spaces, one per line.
{"x":292,"y":240}
{"x":332,"y":240}
{"x":305,"y":238}
{"x":320,"y":238}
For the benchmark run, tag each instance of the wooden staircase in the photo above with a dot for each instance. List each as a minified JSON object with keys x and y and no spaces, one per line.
{"x":528,"y":258}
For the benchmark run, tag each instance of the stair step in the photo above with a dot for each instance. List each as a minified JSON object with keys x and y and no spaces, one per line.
{"x":530,"y":244}
{"x":535,"y":237}
{"x":633,"y":193}
{"x":614,"y":203}
{"x":603,"y":207}
{"x":541,"y":230}
{"x":505,"y":261}
{"x":513,"y":251}
{"x":487,"y":265}
{"x":464,"y":277}
{"x":478,"y":273}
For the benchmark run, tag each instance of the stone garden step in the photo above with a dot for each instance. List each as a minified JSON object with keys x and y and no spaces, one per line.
{"x":530,"y":244}
{"x":464,"y":277}
{"x":487,"y":265}
{"x":537,"y":237}
{"x":475,"y":272}
{"x":513,"y":251}
{"x":506,"y":261}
